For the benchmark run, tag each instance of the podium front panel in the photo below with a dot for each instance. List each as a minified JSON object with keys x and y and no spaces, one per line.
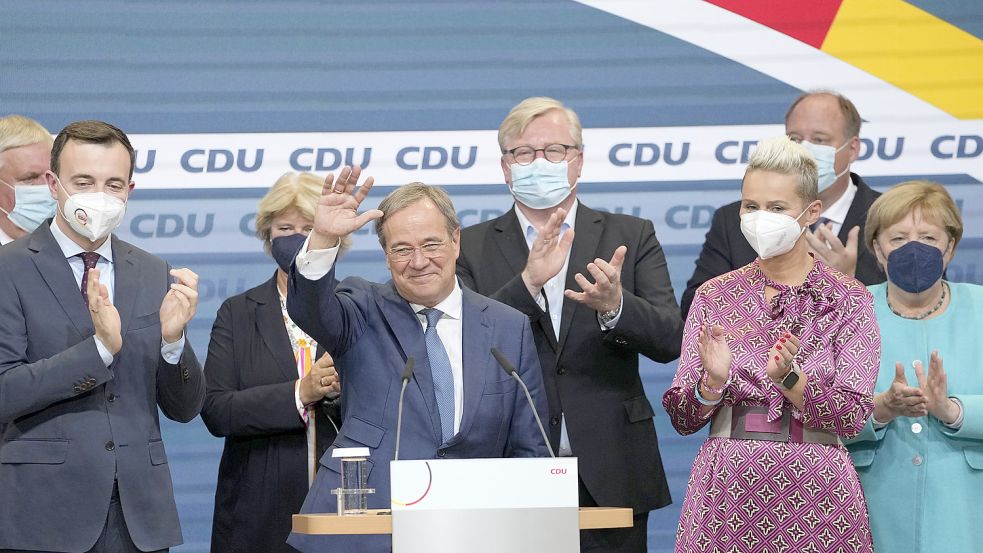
{"x":485,"y":506}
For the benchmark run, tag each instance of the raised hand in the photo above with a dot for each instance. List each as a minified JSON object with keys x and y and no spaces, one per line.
{"x":179,"y":305}
{"x":336,"y":214}
{"x":715,"y":354}
{"x":105,"y":317}
{"x":936,"y":389}
{"x":322,"y":380}
{"x":604,"y":294}
{"x":827,"y":246}
{"x":548,"y":253}
{"x":900,"y":400}
{"x":781,"y":355}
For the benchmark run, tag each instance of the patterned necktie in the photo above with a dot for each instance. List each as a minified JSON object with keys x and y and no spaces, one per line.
{"x":89,"y":259}
{"x":440,"y":368}
{"x":820,"y":222}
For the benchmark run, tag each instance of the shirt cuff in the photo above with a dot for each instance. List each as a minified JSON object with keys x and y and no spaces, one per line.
{"x":172,"y":352}
{"x":107,"y":358}
{"x":301,"y":410}
{"x":958,"y":423}
{"x":704,"y":401}
{"x":541,"y":301}
{"x":314,"y":264}
{"x":613,"y":322}
{"x":877,"y":424}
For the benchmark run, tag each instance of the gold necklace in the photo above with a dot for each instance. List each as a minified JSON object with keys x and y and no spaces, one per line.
{"x":923,"y":315}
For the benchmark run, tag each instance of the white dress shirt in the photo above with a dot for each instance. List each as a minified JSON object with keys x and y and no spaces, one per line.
{"x":107,"y":277}
{"x":836,"y":213}
{"x":314,"y":264}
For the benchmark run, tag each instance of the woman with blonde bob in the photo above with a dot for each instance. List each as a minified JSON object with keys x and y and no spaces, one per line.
{"x":920,"y":456}
{"x":270,"y":390}
{"x":779,"y":358}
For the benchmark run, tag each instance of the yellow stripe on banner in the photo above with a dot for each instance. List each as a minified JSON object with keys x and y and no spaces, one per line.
{"x":913,"y":50}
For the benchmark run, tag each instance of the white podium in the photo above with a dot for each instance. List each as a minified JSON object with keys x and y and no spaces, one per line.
{"x":485,"y":506}
{"x":477,"y":506}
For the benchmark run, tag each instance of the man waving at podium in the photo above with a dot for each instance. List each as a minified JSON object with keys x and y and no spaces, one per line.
{"x":459,"y":403}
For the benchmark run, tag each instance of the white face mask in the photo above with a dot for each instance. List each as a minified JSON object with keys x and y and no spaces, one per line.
{"x":92,"y":214}
{"x":771,"y":234}
{"x":825,"y":158}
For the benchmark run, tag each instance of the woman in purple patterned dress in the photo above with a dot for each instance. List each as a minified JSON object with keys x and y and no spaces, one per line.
{"x":780,"y":356}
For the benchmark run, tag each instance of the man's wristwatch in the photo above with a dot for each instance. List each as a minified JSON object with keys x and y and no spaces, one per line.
{"x":608,"y":316}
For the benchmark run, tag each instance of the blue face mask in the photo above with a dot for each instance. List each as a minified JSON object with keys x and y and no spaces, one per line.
{"x":285,"y":249}
{"x":540,"y":185}
{"x":32,"y":205}
{"x":915,"y":267}
{"x":825,"y":157}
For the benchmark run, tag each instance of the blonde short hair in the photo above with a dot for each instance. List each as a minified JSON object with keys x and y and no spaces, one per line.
{"x":524,"y":112}
{"x":783,"y":155}
{"x":291,"y":192}
{"x":931,"y":198}
{"x":411,"y":193}
{"x":17,"y":131}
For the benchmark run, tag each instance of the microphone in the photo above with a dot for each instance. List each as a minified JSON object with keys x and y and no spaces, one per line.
{"x":514,"y":374}
{"x":407,"y":374}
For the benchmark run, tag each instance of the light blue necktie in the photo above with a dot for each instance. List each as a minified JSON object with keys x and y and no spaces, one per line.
{"x":440,"y":368}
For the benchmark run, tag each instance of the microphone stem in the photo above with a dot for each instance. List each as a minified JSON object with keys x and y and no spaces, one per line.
{"x":515,"y":375}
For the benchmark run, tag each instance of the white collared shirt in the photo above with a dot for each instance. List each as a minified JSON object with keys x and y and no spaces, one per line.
{"x":313,"y":265}
{"x":107,"y":272}
{"x":5,"y":238}
{"x":553,"y":289}
{"x":836,"y":213}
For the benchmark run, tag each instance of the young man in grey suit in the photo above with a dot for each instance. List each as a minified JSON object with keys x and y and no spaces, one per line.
{"x":596,"y":289}
{"x":91,"y":343}
{"x":828,"y":124}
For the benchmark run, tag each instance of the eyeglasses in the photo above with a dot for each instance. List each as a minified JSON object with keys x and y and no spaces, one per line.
{"x":554,"y":153}
{"x":430,"y":250}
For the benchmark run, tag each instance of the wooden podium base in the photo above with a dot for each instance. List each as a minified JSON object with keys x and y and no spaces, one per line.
{"x":381,"y":521}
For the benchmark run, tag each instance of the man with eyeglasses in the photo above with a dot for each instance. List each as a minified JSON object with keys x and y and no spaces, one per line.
{"x":828,"y":125}
{"x":460,"y":403}
{"x":597,"y":292}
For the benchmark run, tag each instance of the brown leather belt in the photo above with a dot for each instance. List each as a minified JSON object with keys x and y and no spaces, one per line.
{"x":750,"y":422}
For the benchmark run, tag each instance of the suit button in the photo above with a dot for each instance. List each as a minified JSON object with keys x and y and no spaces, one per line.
{"x":110,"y":445}
{"x":91,"y":381}
{"x":186,"y":374}
{"x":110,"y":397}
{"x":554,"y":421}
{"x":441,"y":453}
{"x":560,"y":370}
{"x":77,"y":388}
{"x":621,"y":341}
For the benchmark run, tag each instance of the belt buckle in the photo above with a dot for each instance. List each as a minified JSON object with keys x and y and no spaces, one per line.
{"x":758,"y":422}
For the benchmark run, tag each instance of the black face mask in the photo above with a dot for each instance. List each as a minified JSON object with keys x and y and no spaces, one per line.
{"x":915,"y":267}
{"x":285,"y":249}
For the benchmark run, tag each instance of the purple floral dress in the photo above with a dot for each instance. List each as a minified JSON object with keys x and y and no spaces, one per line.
{"x":754,"y":495}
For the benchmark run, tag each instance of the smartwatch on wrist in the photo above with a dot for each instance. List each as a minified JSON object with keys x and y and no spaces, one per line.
{"x":792,"y":378}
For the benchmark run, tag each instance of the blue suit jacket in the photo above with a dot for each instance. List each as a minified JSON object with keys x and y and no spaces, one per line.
{"x":73,"y":424}
{"x":370,"y":331}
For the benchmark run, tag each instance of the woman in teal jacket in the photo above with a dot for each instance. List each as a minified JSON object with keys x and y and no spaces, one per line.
{"x":920,"y":457}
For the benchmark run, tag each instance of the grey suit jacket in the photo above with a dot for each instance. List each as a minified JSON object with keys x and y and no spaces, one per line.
{"x":73,"y":425}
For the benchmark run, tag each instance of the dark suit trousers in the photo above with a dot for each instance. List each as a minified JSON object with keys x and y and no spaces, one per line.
{"x":115,"y":537}
{"x":613,"y":540}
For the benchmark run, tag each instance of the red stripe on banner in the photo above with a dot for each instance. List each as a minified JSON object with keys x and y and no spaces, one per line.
{"x":805,"y":20}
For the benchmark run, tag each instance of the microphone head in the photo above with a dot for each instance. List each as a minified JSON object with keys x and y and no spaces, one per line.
{"x":408,"y":371}
{"x":500,"y":357}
